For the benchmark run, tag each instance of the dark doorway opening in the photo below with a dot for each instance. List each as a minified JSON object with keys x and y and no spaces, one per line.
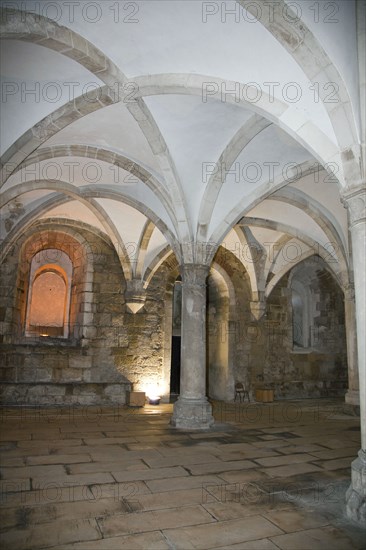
{"x":175,"y":367}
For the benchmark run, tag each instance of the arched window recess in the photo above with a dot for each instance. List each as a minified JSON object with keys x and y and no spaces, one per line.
{"x":49,"y":293}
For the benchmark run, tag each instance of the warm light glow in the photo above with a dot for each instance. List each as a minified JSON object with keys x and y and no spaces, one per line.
{"x":152,"y":390}
{"x":153,"y":386}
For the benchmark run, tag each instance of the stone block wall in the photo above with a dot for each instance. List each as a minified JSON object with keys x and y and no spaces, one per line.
{"x":262,"y":352}
{"x":141,"y":357}
{"x":319,"y":370}
{"x":108,"y":350}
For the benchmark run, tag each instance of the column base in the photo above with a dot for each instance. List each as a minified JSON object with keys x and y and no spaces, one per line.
{"x":352,"y":397}
{"x":356,"y":493}
{"x":192,"y":414}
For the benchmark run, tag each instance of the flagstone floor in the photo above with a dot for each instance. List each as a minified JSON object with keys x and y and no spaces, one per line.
{"x":267,"y":476}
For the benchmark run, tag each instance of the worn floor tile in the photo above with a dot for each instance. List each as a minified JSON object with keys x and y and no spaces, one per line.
{"x":50,"y":534}
{"x":125,"y":465}
{"x":337,"y":464}
{"x":296,"y":520}
{"x":229,"y":510}
{"x":170,"y":499}
{"x":219,"y":466}
{"x":282,"y":460}
{"x":152,"y":473}
{"x":154,"y":520}
{"x":57,"y":459}
{"x":181,"y":459}
{"x":302,"y":448}
{"x":336,"y":453}
{"x":262,"y":544}
{"x":291,"y":470}
{"x":317,"y":539}
{"x":142,"y":541}
{"x":30,"y":515}
{"x":52,"y":472}
{"x":224,"y":533}
{"x":243,"y":476}
{"x":178,"y":483}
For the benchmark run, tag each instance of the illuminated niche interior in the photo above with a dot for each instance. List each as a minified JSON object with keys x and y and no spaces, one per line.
{"x":48,"y":301}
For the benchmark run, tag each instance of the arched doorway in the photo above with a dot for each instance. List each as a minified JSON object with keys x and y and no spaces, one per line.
{"x":176,"y":339}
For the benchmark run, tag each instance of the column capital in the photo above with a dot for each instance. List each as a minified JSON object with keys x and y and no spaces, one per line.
{"x":355,"y":202}
{"x":135,"y":295}
{"x":194,"y":274}
{"x":258,"y":309}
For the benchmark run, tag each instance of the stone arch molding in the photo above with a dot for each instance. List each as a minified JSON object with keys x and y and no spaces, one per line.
{"x":109,"y":156}
{"x":296,"y":39}
{"x":45,"y":32}
{"x":86,"y":195}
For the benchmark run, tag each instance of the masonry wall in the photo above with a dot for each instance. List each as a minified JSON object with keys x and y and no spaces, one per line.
{"x":319,"y":370}
{"x":261,"y":353}
{"x":109,"y":350}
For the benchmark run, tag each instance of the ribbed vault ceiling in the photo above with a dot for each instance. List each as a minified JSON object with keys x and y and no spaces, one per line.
{"x":166,"y":126}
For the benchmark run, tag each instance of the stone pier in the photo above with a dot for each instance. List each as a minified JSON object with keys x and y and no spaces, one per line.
{"x":356,"y":203}
{"x":192,"y":409}
{"x":353,"y":393}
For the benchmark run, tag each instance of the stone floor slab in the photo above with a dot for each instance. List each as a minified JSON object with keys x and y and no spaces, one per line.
{"x":57,"y":459}
{"x":52,"y":472}
{"x":181,"y":459}
{"x":283,"y":460}
{"x":230,"y":509}
{"x":118,"y":453}
{"x":68,"y":511}
{"x":180,"y":483}
{"x":108,"y":440}
{"x":217,"y":467}
{"x":336,"y":453}
{"x":262,"y":544}
{"x":130,"y":491}
{"x":152,"y":473}
{"x":154,"y":520}
{"x":172,"y":499}
{"x":223,"y":533}
{"x":254,"y":508}
{"x":301,"y":447}
{"x":338,"y":464}
{"x":243,"y":455}
{"x":143,"y":541}
{"x":50,"y":534}
{"x":291,"y":470}
{"x":317,"y":539}
{"x":71,"y":480}
{"x":296,"y":520}
{"x":91,"y":467}
{"x":47,"y":493}
{"x":243,"y":476}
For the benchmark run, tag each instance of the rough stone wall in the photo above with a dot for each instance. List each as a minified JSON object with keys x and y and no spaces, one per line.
{"x":318,"y":370}
{"x":110,"y":349}
{"x":80,"y":370}
{"x":140,"y":358}
{"x":264,"y":354}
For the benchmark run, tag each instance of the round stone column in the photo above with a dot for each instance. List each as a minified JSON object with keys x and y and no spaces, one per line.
{"x":192,"y":409}
{"x":352,"y":396}
{"x":355,"y":201}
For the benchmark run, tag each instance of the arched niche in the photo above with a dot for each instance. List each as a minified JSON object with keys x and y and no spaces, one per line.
{"x":48,"y":302}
